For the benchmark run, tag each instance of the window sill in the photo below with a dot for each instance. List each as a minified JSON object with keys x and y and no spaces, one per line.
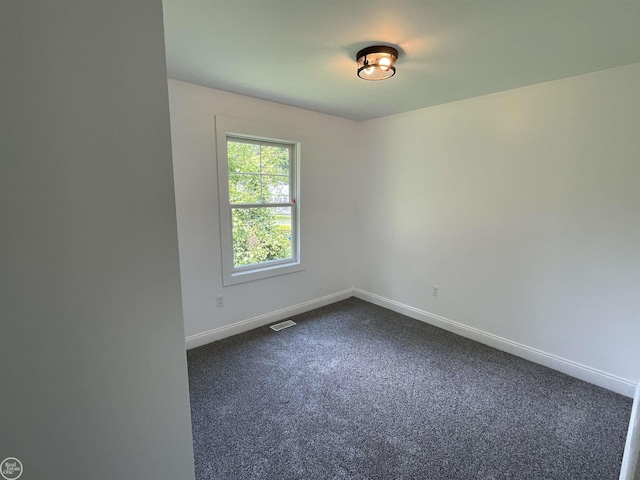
{"x":261,"y":273}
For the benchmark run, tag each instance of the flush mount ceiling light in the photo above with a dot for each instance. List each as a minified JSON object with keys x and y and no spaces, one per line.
{"x":376,"y":63}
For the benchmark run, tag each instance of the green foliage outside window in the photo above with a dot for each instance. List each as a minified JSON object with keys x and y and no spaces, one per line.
{"x":259,"y":175}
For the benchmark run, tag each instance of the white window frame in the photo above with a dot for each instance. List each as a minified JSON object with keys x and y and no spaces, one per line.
{"x":229,"y":127}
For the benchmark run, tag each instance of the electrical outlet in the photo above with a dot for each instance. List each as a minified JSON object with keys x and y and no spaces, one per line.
{"x":219,"y":300}
{"x":435,"y":290}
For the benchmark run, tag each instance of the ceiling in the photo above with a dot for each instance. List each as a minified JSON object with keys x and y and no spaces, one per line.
{"x":302,"y":52}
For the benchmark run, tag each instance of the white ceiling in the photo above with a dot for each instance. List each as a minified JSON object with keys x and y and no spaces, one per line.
{"x":302,"y":52}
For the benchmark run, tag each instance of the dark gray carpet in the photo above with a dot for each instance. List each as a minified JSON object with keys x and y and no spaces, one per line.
{"x":356,"y":391}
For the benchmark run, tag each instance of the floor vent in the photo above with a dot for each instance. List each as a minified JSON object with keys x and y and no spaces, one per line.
{"x":279,"y":326}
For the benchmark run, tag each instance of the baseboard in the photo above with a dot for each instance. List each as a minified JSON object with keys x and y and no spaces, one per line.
{"x":630,"y":469}
{"x":582,"y":372}
{"x":577,"y":370}
{"x":199,"y":339}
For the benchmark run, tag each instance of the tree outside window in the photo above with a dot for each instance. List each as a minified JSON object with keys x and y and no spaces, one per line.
{"x":260,"y":195}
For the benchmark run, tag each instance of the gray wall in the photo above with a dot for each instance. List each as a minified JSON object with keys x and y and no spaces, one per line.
{"x":93,"y":379}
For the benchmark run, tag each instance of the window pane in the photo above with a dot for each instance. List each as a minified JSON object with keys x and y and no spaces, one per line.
{"x":261,"y":234}
{"x":244,"y":188}
{"x":275,"y":188}
{"x":243,"y":157}
{"x":275,"y":160}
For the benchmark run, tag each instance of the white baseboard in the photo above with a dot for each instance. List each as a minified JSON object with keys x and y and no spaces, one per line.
{"x":630,"y":469}
{"x":199,"y":339}
{"x":574,"y":369}
{"x":630,"y":461}
{"x":577,"y":370}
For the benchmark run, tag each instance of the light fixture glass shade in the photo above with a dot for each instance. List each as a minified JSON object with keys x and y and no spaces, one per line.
{"x":376,"y":63}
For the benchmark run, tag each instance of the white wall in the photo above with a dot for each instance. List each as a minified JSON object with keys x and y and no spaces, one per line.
{"x":93,"y":380}
{"x":524,"y":207}
{"x":630,"y":468}
{"x":326,"y":201}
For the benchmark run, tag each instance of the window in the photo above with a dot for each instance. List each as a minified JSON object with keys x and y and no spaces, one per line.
{"x":259,"y":207}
